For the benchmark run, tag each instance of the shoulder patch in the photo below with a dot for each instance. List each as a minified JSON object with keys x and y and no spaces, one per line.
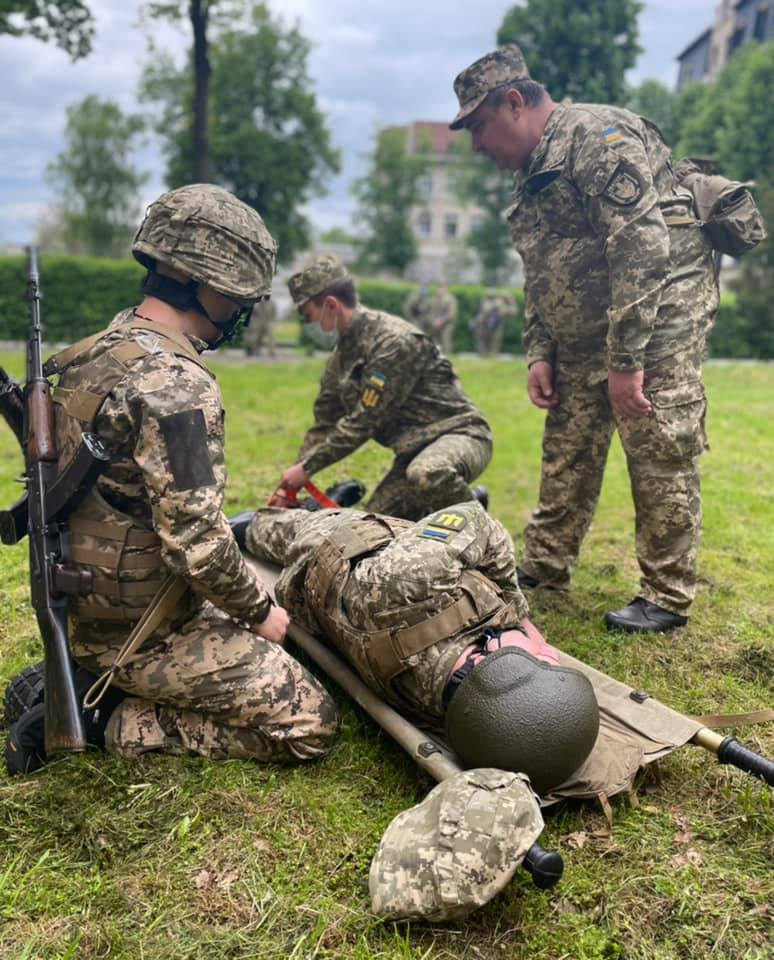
{"x":611,"y":134}
{"x":372,"y":391}
{"x":442,"y":526}
{"x":185,"y":436}
{"x":624,"y":188}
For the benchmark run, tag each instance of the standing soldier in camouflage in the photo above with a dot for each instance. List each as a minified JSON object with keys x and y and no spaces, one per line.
{"x":620,"y":297}
{"x":213,"y":677}
{"x":260,"y":329}
{"x":489,"y":324}
{"x":431,"y":616}
{"x":417,"y":308}
{"x":386,"y":381}
{"x":442,"y":317}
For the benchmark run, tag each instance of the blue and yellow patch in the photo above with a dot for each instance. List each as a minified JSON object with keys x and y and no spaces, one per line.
{"x":443,"y":526}
{"x":372,"y":392}
{"x":611,"y":134}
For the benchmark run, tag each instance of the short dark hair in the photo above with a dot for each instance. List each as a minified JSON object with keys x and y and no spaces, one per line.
{"x":345,"y":292}
{"x":532,"y":91}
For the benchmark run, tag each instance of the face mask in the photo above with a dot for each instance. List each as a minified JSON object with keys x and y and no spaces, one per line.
{"x":324,"y":339}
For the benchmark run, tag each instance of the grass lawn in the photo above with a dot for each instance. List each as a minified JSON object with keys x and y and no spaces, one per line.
{"x":184,"y":859}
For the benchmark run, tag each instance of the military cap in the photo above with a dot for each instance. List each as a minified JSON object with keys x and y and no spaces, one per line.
{"x":503,"y":65}
{"x":457,"y":849}
{"x":323,"y":272}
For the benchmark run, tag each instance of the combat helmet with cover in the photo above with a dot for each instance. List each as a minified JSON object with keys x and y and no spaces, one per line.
{"x":514,"y":712}
{"x":212,"y":237}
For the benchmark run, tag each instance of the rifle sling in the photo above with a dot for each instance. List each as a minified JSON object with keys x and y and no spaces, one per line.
{"x":161,"y":607}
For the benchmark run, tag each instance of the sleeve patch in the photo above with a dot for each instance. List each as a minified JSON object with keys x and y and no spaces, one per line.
{"x":624,"y":188}
{"x":185,"y":436}
{"x":374,"y":385}
{"x":443,"y":526}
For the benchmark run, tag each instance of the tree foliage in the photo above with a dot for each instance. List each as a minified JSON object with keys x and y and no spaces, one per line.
{"x":755,"y":283}
{"x":269,"y":143}
{"x":476,"y":180}
{"x":577,"y":50}
{"x":386,"y":195}
{"x":67,"y":23}
{"x":97,"y":187}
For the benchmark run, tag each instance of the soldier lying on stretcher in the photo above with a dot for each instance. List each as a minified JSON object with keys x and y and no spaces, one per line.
{"x":432,"y":617}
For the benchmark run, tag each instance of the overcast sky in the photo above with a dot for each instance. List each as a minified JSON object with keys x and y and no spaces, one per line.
{"x":373,"y":64}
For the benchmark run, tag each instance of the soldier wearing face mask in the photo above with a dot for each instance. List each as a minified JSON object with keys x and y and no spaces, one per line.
{"x":386,"y":381}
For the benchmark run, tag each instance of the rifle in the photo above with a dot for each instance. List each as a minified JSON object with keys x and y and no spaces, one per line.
{"x":42,"y":513}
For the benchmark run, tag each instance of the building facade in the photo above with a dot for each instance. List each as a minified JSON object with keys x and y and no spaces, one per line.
{"x":736,"y":22}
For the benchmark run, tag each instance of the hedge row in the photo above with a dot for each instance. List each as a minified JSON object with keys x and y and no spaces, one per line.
{"x":81,"y":294}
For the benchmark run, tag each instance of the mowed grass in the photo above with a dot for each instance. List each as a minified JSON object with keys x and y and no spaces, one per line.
{"x":184,"y":859}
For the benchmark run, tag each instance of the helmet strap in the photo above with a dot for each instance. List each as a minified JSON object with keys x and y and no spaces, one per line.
{"x":181,"y":296}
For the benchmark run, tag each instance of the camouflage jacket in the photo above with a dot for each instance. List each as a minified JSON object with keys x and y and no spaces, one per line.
{"x":425,"y":562}
{"x":443,"y":310}
{"x":163,"y":426}
{"x":386,"y":381}
{"x":614,"y":266}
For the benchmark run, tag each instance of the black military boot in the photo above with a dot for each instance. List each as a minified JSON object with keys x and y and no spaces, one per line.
{"x":24,"y":691}
{"x":526,"y":580}
{"x":642,"y":616}
{"x":239,"y":525}
{"x":481,"y":494}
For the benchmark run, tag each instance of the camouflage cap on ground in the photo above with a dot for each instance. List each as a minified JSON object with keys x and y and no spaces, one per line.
{"x":457,"y":849}
{"x":322,"y":273}
{"x":492,"y":70}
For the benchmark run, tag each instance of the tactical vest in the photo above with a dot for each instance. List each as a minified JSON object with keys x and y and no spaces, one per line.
{"x":124,"y":556}
{"x":380,"y":655}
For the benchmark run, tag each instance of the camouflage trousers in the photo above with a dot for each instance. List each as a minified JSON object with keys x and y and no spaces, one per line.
{"x":213,"y":688}
{"x":437,"y":476}
{"x":491,"y":341}
{"x":662,"y":453}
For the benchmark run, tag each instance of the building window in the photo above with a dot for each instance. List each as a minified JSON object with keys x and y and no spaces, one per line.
{"x":759,"y":30}
{"x":450,"y":226}
{"x":424,"y":224}
{"x":425,"y":185}
{"x":737,"y":39}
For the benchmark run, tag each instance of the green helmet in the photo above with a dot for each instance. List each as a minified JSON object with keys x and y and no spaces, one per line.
{"x":209,"y":234}
{"x":515,"y":712}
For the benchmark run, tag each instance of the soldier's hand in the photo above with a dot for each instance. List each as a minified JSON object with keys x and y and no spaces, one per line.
{"x":540,"y":385}
{"x":275,"y":626}
{"x":294,"y":477}
{"x":625,"y":393}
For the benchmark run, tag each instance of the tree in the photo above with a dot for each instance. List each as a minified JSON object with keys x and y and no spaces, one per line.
{"x":68,"y":23}
{"x":98,"y":188}
{"x":577,"y":50}
{"x":386,"y":196}
{"x":476,"y":180}
{"x":654,"y":100}
{"x":756,"y":281}
{"x":268,"y":141}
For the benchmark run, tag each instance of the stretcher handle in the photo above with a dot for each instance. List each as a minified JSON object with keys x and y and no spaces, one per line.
{"x":732,"y":751}
{"x":545,"y":866}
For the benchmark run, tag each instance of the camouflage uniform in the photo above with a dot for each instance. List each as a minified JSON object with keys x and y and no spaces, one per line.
{"x":386,"y":381}
{"x":261,"y":329}
{"x":442,"y":315}
{"x":417,"y":309}
{"x":616,"y":276}
{"x":414,"y":576}
{"x":490,"y":319}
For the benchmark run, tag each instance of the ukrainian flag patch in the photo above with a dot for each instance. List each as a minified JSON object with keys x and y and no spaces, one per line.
{"x":611,"y":134}
{"x":374,"y":385}
{"x":443,"y":526}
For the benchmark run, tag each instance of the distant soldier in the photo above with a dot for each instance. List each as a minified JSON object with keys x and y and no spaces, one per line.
{"x":442,"y":314}
{"x":261,"y":329}
{"x":386,"y":381}
{"x":489,"y":323}
{"x":417,"y":308}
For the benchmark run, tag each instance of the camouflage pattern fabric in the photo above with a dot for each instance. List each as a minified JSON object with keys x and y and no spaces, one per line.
{"x":425,"y":562}
{"x":417,"y":309}
{"x":610,"y":285}
{"x":471,"y":85}
{"x":457,"y":849}
{"x":177,"y":495}
{"x":442,"y":315}
{"x":211,"y":236}
{"x":489,"y":323}
{"x":387,"y":382}
{"x":322,"y":273}
{"x":260,"y":330}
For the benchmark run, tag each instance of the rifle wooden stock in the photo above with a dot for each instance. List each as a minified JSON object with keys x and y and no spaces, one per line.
{"x":41,"y":438}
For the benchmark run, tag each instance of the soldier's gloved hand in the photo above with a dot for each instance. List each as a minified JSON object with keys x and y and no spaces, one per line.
{"x":540,"y":385}
{"x":625,"y":393}
{"x":294,"y":477}
{"x":275,"y":626}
